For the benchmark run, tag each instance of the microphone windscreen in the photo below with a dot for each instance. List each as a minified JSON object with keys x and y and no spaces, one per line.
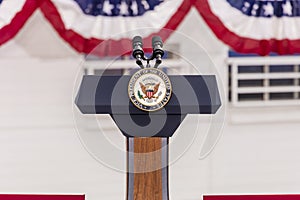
{"x":137,"y":39}
{"x":157,"y":39}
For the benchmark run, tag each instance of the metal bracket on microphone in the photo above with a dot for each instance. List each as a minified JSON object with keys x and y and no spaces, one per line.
{"x":139,"y":55}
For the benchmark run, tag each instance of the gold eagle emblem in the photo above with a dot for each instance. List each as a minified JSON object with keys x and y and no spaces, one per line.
{"x":149,"y":90}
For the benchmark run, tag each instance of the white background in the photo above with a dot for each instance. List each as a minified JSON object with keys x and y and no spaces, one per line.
{"x":40,"y":151}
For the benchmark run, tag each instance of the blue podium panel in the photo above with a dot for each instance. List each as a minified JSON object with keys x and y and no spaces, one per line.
{"x":109,"y":95}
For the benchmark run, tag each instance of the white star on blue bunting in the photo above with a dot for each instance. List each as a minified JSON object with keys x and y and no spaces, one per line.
{"x":267,"y":8}
{"x":287,"y":8}
{"x":117,"y":7}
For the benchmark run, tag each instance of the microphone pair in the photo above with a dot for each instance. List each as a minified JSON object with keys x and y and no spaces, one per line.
{"x":138,"y":52}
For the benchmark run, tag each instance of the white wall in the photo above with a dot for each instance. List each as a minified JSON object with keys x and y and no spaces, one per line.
{"x":41,"y":152}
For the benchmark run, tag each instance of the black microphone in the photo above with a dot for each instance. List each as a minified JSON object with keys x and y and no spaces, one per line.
{"x":138,"y":52}
{"x":158,"y":51}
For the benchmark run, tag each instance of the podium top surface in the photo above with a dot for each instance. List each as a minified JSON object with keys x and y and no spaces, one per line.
{"x":191,"y":94}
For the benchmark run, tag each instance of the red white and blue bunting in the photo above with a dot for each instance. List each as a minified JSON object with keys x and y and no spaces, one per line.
{"x":85,"y":24}
{"x":247,"y":26}
{"x":254,"y":26}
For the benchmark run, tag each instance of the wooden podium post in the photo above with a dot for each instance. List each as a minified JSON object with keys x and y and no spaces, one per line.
{"x":147,"y":161}
{"x":147,"y":150}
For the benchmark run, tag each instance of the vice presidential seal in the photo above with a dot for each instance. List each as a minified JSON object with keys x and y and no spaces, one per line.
{"x":149,"y":89}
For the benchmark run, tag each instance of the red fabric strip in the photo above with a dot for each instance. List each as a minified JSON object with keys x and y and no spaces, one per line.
{"x":10,"y":30}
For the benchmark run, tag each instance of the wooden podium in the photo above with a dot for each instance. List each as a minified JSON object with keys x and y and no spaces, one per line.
{"x":147,"y":147}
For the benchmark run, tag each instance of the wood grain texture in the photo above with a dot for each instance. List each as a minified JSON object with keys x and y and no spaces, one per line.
{"x":148,"y":170}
